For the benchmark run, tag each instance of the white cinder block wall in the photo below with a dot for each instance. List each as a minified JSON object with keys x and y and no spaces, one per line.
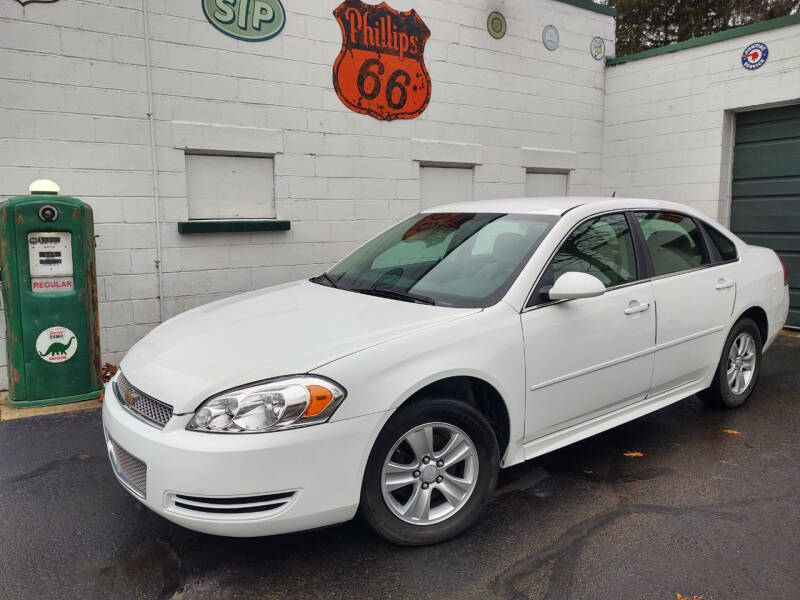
{"x":73,"y":108}
{"x":670,"y":118}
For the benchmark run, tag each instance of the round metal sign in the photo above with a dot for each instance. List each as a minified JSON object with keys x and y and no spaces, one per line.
{"x":550,"y":37}
{"x":598,"y":48}
{"x":496,"y":24}
{"x":245,"y":20}
{"x":56,"y":344}
{"x":754,"y":56}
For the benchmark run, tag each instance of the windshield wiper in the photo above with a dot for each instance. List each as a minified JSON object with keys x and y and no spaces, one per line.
{"x":396,"y":295}
{"x":325,"y":277}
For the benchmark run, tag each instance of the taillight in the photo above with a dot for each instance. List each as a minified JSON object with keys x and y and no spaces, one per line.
{"x":785,"y":272}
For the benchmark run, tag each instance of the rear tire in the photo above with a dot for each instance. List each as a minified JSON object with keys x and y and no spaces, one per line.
{"x":430,"y":473}
{"x":738,"y":369}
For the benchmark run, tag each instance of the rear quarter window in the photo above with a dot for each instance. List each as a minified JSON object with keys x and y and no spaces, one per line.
{"x":725,"y":247}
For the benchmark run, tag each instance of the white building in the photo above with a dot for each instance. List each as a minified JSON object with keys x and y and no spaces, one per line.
{"x":79,"y":80}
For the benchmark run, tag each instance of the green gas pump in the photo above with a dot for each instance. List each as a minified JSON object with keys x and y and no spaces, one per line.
{"x":47,"y":254}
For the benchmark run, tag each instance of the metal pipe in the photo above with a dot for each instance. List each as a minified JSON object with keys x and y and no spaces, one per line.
{"x":154,"y":158}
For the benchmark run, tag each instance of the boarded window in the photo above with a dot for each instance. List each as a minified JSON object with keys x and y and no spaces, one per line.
{"x":538,"y":185}
{"x":442,"y":185}
{"x":230,"y":187}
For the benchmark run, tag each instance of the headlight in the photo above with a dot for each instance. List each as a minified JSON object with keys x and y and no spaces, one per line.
{"x":269,"y":406}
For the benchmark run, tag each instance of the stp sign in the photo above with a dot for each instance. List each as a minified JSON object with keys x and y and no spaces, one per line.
{"x":380,"y":70}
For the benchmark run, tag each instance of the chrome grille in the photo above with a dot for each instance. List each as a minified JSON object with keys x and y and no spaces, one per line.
{"x":149,"y":409}
{"x":131,"y":471}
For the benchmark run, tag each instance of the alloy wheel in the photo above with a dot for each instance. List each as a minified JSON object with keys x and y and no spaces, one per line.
{"x":429,"y":474}
{"x":741,"y":363}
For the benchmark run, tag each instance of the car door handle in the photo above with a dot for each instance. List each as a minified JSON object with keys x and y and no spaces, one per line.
{"x":724,"y":284}
{"x":637,"y":308}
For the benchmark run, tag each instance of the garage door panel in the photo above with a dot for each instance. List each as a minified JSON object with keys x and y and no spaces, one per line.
{"x":765,"y":208}
{"x":762,"y":187}
{"x":766,"y":215}
{"x":779,"y":243}
{"x":770,"y":167}
{"x":773,"y":131}
{"x":762,"y":154}
{"x":756,"y":117}
{"x":792,"y":262}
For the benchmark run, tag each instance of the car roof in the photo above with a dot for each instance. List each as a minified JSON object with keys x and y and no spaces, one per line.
{"x":550,"y":205}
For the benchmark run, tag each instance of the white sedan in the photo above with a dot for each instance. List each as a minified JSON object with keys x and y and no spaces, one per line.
{"x":469,"y":337}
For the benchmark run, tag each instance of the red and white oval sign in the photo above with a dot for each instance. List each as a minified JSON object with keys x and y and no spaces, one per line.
{"x":56,"y":344}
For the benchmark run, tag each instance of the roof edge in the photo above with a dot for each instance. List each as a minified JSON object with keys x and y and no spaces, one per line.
{"x":709,"y":39}
{"x":609,"y":11}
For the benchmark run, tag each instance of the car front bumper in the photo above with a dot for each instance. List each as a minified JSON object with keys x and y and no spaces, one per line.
{"x":241,"y":485}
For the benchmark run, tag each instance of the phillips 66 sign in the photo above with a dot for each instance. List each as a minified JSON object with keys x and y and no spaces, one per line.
{"x":380,"y":70}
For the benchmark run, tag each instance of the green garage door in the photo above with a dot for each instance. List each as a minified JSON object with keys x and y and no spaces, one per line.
{"x":766,"y":188}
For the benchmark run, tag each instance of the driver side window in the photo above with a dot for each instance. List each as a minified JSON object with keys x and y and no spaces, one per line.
{"x":602,"y":247}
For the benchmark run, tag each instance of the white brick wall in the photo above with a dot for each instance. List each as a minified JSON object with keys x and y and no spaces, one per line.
{"x":669,"y":118}
{"x":73,"y":108}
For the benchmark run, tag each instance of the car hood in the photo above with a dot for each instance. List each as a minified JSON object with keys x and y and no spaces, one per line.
{"x":283,"y":330}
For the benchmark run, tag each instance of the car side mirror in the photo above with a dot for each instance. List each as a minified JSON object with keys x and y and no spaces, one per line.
{"x":572,"y":285}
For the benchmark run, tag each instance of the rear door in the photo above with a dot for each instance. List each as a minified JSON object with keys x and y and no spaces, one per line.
{"x":694,"y":294}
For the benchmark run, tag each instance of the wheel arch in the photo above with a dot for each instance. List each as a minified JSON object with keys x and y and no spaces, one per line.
{"x":476,"y":392}
{"x":759,"y":316}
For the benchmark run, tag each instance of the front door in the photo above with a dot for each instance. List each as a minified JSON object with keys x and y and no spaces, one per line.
{"x":589,"y":356}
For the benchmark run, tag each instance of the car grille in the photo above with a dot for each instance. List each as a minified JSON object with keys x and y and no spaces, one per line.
{"x":131,"y":471}
{"x":232,"y":506}
{"x":147,"y":408}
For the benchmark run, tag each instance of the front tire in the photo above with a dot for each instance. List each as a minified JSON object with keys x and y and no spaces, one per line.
{"x":738,"y":369}
{"x":430,"y":473}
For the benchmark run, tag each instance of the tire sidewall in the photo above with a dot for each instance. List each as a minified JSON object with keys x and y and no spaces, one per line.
{"x":373,"y":506}
{"x":727,"y":397}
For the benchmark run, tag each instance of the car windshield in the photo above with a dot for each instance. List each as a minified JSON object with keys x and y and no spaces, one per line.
{"x":448,"y":259}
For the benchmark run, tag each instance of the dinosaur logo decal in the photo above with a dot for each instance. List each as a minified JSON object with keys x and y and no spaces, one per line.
{"x":56,"y":345}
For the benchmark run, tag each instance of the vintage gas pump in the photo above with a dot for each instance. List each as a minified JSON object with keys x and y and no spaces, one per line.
{"x":47,"y":253}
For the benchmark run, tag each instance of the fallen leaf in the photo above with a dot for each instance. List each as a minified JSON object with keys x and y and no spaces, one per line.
{"x":83,"y":456}
{"x":108,"y":371}
{"x":634,"y":455}
{"x":678,"y":596}
{"x":732,"y":432}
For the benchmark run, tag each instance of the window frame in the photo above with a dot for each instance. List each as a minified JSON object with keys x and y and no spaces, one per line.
{"x":644,"y":262}
{"x":643,"y":267}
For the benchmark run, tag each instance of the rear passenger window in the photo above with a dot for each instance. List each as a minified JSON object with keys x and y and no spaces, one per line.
{"x":674,"y":241}
{"x":725,"y":247}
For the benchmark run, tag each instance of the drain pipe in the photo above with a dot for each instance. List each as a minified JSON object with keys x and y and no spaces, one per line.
{"x":154,"y":158}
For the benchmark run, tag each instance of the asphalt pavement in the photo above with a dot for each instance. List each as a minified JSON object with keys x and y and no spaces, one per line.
{"x":710,"y":509}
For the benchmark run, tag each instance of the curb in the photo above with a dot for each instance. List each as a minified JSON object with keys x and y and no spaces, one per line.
{"x":11,"y":414}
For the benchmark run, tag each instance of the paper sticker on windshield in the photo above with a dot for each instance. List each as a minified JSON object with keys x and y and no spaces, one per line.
{"x":432,"y":229}
{"x":56,"y":345}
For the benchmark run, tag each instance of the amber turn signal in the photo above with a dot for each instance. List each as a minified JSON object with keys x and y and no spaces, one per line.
{"x":320,"y":398}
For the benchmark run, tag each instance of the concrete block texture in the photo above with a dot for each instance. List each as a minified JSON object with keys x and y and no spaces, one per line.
{"x":74,"y":108}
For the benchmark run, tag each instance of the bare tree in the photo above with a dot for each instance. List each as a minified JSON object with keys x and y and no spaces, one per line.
{"x":645,"y":24}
